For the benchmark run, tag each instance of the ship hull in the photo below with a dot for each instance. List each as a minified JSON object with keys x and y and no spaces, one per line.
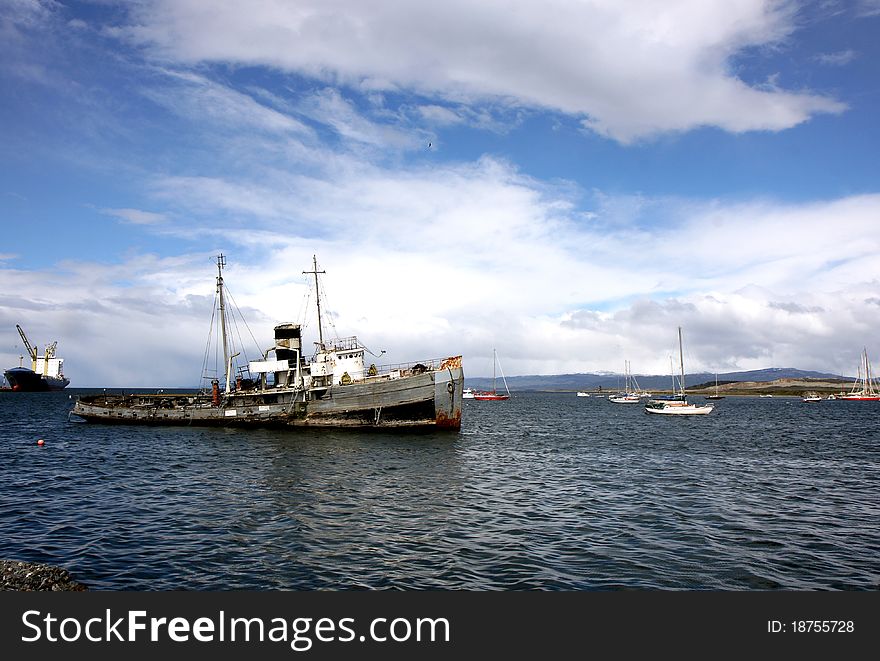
{"x":430,"y":400}
{"x":22,"y":379}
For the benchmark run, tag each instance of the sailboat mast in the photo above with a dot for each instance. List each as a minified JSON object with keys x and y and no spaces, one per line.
{"x":859,"y":382}
{"x":504,"y":378}
{"x":681,"y":358}
{"x":870,"y":384}
{"x":494,"y":360}
{"x":862,"y":371}
{"x":315,"y":271}
{"x":221,"y":262}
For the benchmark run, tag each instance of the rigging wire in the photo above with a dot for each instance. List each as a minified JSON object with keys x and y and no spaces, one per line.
{"x":237,"y":345}
{"x":304,"y":307}
{"x":244,"y":321}
{"x":211,"y":328}
{"x":327,"y":312}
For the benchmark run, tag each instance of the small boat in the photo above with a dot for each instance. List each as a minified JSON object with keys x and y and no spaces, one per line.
{"x":467,"y":393}
{"x":765,"y":396}
{"x":45,"y":373}
{"x":678,"y":404}
{"x":581,"y":393}
{"x":285,"y":389}
{"x":865,"y":388}
{"x":811,"y":397}
{"x":716,"y":395}
{"x":493,"y":395}
{"x":630,"y":394}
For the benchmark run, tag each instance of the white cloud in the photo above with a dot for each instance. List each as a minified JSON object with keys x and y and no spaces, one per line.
{"x":837,"y":59}
{"x":426,"y":258}
{"x":462,"y":258}
{"x":136,"y":216}
{"x":329,"y":107}
{"x":19,"y":21}
{"x":628,"y":70}
{"x":748,"y":329}
{"x":439,"y":116}
{"x":198,"y":98}
{"x":868,"y":7}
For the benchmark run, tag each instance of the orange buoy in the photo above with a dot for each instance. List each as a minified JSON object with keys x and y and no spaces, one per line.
{"x":41,"y":442}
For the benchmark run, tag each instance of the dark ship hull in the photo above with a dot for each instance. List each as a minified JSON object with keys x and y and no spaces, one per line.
{"x":22,"y":379}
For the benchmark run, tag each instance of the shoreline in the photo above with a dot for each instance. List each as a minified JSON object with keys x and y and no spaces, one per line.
{"x":21,"y":576}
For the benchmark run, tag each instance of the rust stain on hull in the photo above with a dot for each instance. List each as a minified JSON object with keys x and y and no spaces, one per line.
{"x":444,"y":421}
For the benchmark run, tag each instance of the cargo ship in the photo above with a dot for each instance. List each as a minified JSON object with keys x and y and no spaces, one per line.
{"x":46,"y":371}
{"x":334,"y":388}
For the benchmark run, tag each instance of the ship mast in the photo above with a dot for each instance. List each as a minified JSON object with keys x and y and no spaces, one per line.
{"x":315,"y":271}
{"x":221,"y":262}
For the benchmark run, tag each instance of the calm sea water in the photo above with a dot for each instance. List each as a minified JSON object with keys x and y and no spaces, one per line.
{"x":545,"y":491}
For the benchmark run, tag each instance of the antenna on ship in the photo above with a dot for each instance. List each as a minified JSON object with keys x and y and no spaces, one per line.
{"x":221,"y":262}
{"x":315,"y":271}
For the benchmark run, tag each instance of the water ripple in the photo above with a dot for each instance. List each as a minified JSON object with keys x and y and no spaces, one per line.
{"x":543,"y":492}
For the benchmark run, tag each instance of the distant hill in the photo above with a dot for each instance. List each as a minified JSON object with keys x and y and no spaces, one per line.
{"x":614,"y":382}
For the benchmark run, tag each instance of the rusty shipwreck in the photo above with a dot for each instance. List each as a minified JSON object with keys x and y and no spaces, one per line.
{"x":332,"y":388}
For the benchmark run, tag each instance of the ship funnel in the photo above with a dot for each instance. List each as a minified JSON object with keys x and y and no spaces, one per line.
{"x":288,"y":346}
{"x":288,"y":336}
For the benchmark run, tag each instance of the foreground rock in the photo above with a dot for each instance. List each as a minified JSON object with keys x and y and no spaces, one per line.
{"x":33,"y":577}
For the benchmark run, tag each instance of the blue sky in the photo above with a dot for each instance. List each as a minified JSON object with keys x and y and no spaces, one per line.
{"x":567,"y":182}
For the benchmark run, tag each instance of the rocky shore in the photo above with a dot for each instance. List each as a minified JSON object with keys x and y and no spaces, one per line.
{"x":33,"y":577}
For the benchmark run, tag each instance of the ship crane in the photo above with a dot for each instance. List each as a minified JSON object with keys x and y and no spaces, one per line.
{"x":32,"y":351}
{"x":50,"y":353}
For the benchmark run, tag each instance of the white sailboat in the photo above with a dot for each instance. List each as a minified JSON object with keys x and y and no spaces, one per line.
{"x":630,"y":393}
{"x":678,"y":405}
{"x":716,"y":395}
{"x":865,"y":387}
